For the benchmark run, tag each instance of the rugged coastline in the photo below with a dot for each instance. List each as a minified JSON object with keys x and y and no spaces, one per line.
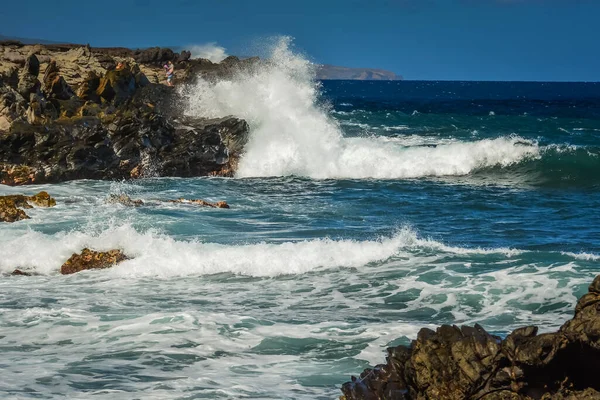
{"x":455,"y":363}
{"x":75,"y":112}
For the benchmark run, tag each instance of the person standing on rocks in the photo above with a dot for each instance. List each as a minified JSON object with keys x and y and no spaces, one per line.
{"x":170,"y":72}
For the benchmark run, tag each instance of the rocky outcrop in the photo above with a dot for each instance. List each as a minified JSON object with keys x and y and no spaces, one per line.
{"x":11,"y":207}
{"x":90,"y":259}
{"x":455,"y":363}
{"x":87,"y":122}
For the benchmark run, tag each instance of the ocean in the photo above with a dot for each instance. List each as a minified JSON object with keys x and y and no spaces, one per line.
{"x":360,"y":213}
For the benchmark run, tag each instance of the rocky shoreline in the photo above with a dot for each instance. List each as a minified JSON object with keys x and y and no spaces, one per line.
{"x":75,"y":112}
{"x":456,"y":363}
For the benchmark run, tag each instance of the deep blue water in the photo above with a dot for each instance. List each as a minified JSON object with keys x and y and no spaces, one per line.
{"x":357,"y":219}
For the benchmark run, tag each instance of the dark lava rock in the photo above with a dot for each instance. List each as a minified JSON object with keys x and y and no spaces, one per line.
{"x":455,"y":363}
{"x":90,"y":259}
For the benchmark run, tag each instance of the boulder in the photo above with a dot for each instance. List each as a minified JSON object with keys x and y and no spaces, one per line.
{"x":90,"y":259}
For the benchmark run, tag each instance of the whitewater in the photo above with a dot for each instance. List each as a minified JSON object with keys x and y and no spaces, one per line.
{"x":361,"y":212}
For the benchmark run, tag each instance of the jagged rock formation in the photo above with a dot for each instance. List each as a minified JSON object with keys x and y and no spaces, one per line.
{"x":90,"y":259}
{"x":97,"y":115}
{"x":455,"y":363}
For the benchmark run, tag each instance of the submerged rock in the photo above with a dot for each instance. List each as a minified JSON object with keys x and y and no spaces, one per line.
{"x":124,"y":200}
{"x":11,"y":206}
{"x":455,"y":363}
{"x":218,"y":204}
{"x":17,"y":272}
{"x":90,"y":259}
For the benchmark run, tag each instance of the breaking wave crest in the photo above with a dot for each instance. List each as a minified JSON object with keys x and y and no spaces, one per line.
{"x":292,"y":133}
{"x":158,"y":255}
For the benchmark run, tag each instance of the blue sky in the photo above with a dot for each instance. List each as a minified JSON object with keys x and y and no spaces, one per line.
{"x":553,"y":40}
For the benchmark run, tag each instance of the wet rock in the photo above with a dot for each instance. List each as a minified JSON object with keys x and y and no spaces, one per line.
{"x":90,"y":259}
{"x":42,"y":199}
{"x":117,"y":126}
{"x":124,"y":200}
{"x":9,"y":212}
{"x":469,"y":363}
{"x":18,"y":272}
{"x":218,"y":204}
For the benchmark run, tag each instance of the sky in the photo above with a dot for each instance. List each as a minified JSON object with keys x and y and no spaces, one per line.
{"x":539,"y":40}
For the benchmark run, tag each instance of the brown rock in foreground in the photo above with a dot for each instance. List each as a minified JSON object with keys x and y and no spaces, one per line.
{"x":11,"y":206}
{"x":455,"y":363}
{"x":90,"y":259}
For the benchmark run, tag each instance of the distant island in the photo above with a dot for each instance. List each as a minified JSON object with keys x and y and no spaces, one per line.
{"x":362,"y":74}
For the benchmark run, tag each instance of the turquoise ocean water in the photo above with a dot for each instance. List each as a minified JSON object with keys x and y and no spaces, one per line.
{"x":361,"y":212}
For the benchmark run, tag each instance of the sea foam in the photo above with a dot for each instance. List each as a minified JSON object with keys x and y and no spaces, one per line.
{"x":293,"y":134}
{"x":158,"y":255}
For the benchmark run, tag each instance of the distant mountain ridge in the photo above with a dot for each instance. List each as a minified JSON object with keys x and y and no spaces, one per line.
{"x":363,"y":74}
{"x":27,"y":40}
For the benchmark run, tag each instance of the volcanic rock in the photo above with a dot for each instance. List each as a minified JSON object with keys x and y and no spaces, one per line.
{"x":90,"y":259}
{"x":124,"y":200}
{"x":28,"y":78}
{"x":455,"y":363}
{"x":119,"y":125}
{"x":9,"y":211}
{"x":218,"y":204}
{"x":11,"y":206}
